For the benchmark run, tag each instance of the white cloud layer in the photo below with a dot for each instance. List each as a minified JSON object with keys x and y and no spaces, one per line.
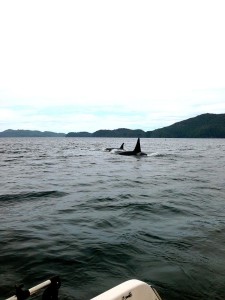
{"x":134,"y":64}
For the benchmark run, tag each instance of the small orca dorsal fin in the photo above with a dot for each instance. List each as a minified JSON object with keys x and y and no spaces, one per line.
{"x":121,"y":147}
{"x":137,"y":148}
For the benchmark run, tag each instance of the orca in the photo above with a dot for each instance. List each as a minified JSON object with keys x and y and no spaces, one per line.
{"x":136,"y":151}
{"x":110,"y":149}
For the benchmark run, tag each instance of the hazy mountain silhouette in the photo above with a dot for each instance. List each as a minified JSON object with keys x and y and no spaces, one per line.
{"x":202,"y":126}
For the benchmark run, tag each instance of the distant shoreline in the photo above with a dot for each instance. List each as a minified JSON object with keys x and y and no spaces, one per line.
{"x":203,"y":126}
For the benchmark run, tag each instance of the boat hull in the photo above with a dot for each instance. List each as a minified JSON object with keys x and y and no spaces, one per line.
{"x":130,"y":290}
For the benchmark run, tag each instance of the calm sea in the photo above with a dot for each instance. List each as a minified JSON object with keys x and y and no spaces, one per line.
{"x":97,"y":219}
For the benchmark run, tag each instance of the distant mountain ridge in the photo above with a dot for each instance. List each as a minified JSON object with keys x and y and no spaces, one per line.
{"x":29,"y":133}
{"x":203,"y":126}
{"x":117,"y":133}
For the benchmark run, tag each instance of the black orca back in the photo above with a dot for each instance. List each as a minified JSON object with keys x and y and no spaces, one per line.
{"x":136,"y":151}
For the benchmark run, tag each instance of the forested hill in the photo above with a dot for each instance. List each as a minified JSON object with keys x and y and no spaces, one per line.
{"x":202,"y":126}
{"x":117,"y":133}
{"x":29,"y":133}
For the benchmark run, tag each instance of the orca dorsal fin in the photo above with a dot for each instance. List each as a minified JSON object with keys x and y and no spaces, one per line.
{"x":121,"y":147}
{"x":137,"y":148}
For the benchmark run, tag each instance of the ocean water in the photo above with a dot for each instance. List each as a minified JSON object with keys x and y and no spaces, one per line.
{"x":96,"y":219}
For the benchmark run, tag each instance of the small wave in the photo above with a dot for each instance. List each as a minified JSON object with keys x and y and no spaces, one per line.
{"x":149,"y":237}
{"x":31,"y":195}
{"x":10,"y":159}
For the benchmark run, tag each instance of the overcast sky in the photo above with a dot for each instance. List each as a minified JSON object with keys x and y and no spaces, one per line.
{"x":89,"y":65}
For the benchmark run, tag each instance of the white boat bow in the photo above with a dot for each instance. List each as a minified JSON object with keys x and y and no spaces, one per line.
{"x":132,"y":290}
